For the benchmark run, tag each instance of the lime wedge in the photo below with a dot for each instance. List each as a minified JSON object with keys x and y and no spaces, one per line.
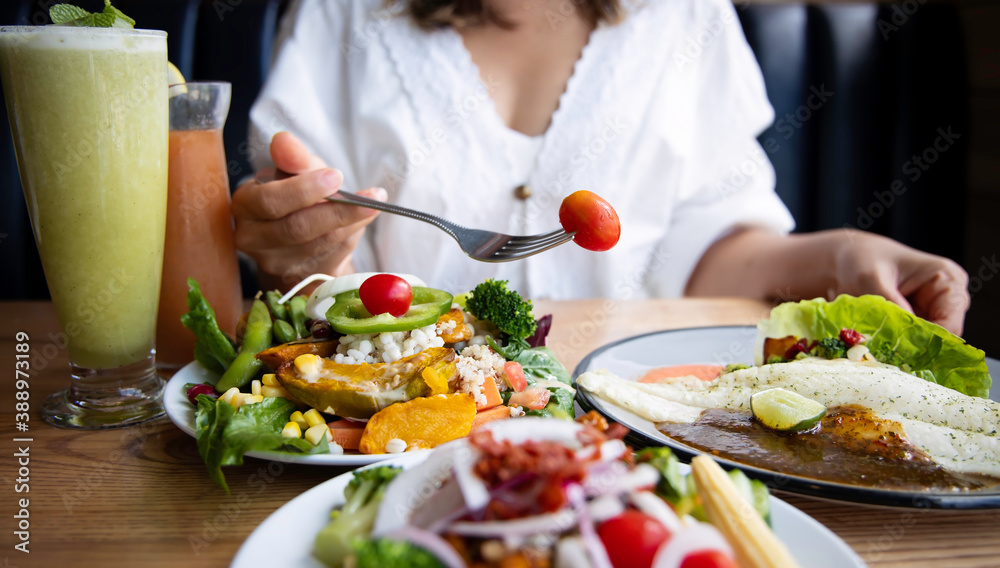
{"x":785,"y":410}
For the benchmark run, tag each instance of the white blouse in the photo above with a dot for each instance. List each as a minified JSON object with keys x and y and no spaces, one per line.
{"x":660,"y":117}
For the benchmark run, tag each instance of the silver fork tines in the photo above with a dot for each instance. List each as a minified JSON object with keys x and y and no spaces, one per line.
{"x":487,"y":246}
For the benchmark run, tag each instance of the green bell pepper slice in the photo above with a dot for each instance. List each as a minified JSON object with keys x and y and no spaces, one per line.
{"x":349,"y":316}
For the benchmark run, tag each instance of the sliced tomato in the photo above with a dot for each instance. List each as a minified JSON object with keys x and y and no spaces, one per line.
{"x":708,"y":559}
{"x":632,"y":539}
{"x":534,"y":398}
{"x":515,"y":376}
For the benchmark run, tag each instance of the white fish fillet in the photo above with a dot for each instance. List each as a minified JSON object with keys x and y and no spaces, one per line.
{"x":959,"y":432}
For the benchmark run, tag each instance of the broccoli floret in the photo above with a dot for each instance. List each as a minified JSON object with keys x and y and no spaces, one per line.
{"x":385,"y":553}
{"x":830,"y":348}
{"x":357,"y":517}
{"x":733,"y":367}
{"x":511,"y":313}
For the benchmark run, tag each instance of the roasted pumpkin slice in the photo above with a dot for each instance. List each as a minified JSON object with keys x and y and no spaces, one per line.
{"x":453,"y":327}
{"x":359,"y":391}
{"x":280,"y":354}
{"x":422,"y":423}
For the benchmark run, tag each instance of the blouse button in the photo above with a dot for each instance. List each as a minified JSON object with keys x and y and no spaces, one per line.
{"x":522,"y":192}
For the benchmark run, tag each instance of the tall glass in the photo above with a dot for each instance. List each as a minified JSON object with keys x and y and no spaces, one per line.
{"x":200,"y":242}
{"x":88,"y":113}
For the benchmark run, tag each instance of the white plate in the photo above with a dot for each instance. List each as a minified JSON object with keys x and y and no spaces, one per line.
{"x":630,"y":358}
{"x":182,"y":412}
{"x":286,"y":537}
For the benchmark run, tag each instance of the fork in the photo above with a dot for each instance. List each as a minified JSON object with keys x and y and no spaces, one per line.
{"x":486,"y":246}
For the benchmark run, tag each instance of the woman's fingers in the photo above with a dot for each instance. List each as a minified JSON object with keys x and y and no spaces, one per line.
{"x":307,"y":224}
{"x":291,"y":155}
{"x":277,"y":199}
{"x":939,"y":293}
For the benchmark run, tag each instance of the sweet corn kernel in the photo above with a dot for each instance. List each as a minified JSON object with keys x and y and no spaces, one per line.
{"x":246,"y":398}
{"x":269,"y":380}
{"x":227,"y":396}
{"x":313,"y":417}
{"x":291,"y":430}
{"x":307,"y":364}
{"x":316,"y":433}
{"x":274,"y":392}
{"x":297,"y":418}
{"x":255,"y":387}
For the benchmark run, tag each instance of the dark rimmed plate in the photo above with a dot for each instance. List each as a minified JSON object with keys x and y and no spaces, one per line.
{"x":630,"y":357}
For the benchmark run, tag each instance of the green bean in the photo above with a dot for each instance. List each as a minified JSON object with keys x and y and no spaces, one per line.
{"x":297,"y":308}
{"x":279,"y":311}
{"x":284,"y":332}
{"x":257,"y":338}
{"x":204,"y":357}
{"x":200,"y":319}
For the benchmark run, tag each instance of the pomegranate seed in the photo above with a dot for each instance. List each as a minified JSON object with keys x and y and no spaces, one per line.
{"x":851,"y":337}
{"x":800,"y":346}
{"x":194,"y":391}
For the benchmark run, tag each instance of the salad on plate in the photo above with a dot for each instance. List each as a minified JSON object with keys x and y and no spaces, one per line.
{"x":374,"y":363}
{"x":542,"y":492}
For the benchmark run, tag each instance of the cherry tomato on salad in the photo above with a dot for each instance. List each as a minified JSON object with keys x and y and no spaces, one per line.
{"x":386,"y":294}
{"x":515,"y":376}
{"x":708,"y":559}
{"x":592,"y":218}
{"x":632,"y":539}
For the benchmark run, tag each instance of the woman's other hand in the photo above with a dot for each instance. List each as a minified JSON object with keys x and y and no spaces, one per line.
{"x":932,"y":287}
{"x":760,"y":264}
{"x":285,"y":225}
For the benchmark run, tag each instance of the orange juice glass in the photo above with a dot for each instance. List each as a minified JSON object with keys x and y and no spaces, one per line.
{"x":199,"y":241}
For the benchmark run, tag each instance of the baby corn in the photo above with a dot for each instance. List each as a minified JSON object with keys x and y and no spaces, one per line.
{"x":752,"y":540}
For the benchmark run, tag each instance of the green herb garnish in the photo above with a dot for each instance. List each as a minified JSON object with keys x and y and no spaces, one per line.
{"x":70,"y":15}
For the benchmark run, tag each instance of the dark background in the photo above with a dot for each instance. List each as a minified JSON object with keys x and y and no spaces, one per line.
{"x":900,"y":74}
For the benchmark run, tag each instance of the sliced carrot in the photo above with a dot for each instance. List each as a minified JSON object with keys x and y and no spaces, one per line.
{"x":347,"y":433}
{"x":495,"y":413}
{"x":703,"y":372}
{"x":492,"y":395}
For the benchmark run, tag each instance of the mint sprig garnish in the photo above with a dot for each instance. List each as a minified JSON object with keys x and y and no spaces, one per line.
{"x":66,"y":13}
{"x":70,"y":15}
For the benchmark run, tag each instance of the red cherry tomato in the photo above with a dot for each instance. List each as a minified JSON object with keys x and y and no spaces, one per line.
{"x":515,"y":376}
{"x":594,"y":220}
{"x":386,"y":294}
{"x":632,"y":539}
{"x":708,"y":559}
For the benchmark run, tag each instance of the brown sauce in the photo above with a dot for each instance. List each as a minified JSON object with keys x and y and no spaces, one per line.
{"x":850,"y":446}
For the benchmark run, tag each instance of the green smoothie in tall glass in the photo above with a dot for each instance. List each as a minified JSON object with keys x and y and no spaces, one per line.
{"x":88,"y":110}
{"x":89,"y":117}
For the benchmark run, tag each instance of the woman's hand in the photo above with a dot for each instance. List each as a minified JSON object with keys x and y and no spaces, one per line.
{"x":761,"y":264}
{"x":285,"y":224}
{"x":932,"y":287}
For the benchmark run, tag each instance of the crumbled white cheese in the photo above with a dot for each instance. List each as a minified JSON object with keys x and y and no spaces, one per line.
{"x":395,"y":446}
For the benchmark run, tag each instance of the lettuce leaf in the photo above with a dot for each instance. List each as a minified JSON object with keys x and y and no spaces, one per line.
{"x":895,"y":336}
{"x":225,"y":435}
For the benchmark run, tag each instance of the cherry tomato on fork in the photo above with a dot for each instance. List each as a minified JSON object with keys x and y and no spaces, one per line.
{"x":386,"y":294}
{"x":592,"y":218}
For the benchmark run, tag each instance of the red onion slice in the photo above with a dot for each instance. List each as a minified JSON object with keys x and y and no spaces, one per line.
{"x":595,"y":548}
{"x":549,"y":523}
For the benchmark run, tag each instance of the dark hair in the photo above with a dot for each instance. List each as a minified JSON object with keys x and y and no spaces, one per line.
{"x":434,"y":14}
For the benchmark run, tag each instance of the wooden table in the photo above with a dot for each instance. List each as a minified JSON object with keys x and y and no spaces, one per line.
{"x":141,"y":496}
